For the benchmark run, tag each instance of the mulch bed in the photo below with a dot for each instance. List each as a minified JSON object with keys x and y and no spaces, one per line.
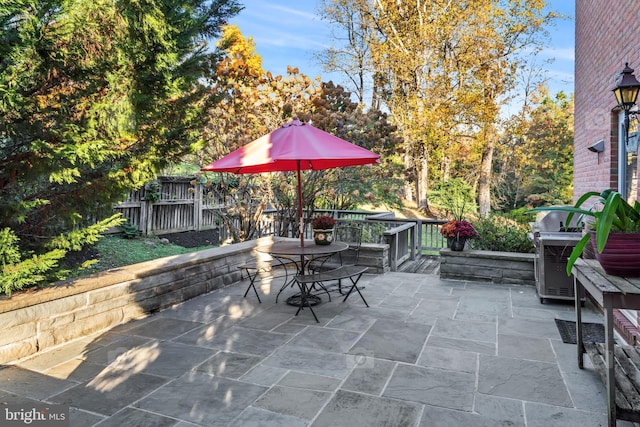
{"x":193,"y":239}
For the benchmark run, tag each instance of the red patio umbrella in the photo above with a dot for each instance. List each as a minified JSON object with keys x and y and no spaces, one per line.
{"x":295,"y":146}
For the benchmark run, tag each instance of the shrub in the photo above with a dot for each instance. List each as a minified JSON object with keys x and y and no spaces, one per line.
{"x":373,"y":233}
{"x":129,"y":231}
{"x":21,"y":269}
{"x":455,"y":196}
{"x":520,"y":215}
{"x":152,"y":191}
{"x":497,"y":233}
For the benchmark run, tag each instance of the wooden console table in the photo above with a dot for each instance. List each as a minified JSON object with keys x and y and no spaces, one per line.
{"x":610,"y":292}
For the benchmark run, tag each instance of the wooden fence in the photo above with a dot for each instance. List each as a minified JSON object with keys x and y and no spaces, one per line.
{"x":170,"y":205}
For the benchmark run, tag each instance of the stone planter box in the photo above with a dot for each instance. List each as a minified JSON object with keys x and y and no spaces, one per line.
{"x":38,"y":320}
{"x":488,"y":266}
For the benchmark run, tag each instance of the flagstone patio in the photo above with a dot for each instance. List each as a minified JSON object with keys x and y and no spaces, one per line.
{"x":428,"y":352}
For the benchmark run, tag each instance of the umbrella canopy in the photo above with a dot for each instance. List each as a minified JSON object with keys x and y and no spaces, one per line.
{"x":295,"y":146}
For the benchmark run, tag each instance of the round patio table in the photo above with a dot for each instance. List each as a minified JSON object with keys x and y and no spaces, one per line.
{"x":301,"y":256}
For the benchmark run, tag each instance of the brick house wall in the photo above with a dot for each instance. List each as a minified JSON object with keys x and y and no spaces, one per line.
{"x":607,"y":36}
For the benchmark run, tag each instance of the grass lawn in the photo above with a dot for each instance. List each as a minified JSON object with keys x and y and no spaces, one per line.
{"x":115,"y":251}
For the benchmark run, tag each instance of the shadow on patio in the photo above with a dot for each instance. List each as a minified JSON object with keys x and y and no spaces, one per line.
{"x":428,"y":352}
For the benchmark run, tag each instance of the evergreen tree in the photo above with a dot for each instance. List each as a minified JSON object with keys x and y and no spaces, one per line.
{"x":95,"y":96}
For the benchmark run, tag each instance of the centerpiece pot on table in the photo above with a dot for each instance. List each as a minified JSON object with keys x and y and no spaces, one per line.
{"x":323,"y":226}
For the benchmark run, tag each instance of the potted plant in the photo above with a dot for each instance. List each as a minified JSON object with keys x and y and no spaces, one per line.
{"x":323,"y":229}
{"x":613,"y":228}
{"x":457,"y":233}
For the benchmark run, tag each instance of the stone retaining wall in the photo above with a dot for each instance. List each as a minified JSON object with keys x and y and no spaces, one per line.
{"x":375,"y":256}
{"x":37,"y":320}
{"x":490,"y":266}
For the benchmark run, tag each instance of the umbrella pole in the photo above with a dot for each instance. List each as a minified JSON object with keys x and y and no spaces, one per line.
{"x":300,"y":217}
{"x":301,"y":224}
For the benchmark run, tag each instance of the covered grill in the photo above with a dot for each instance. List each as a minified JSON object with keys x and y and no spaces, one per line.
{"x":554,"y":240}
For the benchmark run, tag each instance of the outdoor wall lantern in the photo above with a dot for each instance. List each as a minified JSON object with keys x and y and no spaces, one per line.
{"x":626,"y":91}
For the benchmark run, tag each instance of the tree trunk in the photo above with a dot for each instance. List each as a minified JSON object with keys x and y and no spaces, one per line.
{"x":409,"y":164}
{"x":484,"y":183}
{"x":446,"y":168}
{"x":375,"y":101}
{"x":423,"y":182}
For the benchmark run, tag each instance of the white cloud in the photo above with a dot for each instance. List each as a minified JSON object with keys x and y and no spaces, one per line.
{"x":560,"y":80}
{"x":559,"y":53}
{"x":264,"y":36}
{"x":282,"y":25}
{"x":297,"y":12}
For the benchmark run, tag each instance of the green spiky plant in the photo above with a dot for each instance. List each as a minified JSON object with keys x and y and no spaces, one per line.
{"x":616,"y":215}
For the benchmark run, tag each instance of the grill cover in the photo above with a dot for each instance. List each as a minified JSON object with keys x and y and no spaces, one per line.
{"x":554,"y":221}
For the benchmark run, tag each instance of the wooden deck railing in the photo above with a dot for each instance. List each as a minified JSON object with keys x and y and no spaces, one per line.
{"x":402,"y":246}
{"x":408,"y":239}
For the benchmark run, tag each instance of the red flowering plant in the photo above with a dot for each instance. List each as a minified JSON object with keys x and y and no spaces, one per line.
{"x":459,"y":229}
{"x":323,"y":222}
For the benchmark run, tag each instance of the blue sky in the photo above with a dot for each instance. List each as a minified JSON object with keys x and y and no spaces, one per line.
{"x":288,"y":32}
